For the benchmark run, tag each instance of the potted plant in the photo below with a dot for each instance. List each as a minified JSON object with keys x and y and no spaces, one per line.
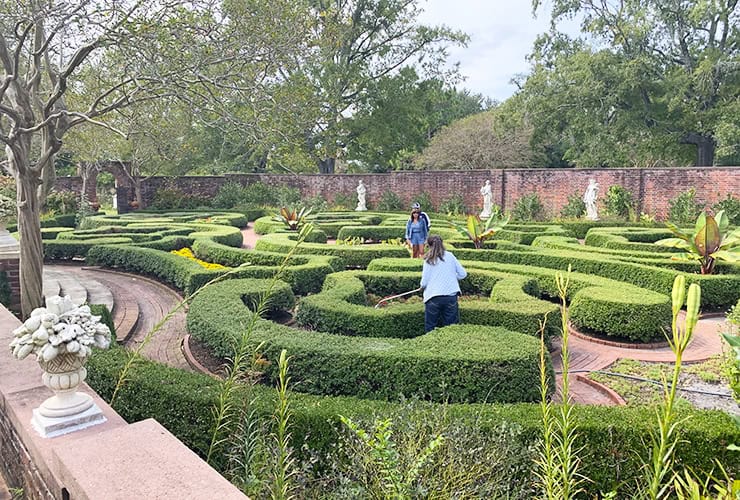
{"x":61,"y":336}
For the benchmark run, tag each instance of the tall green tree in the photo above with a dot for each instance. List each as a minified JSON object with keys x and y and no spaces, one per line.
{"x":398,"y":116}
{"x":355,"y":43}
{"x":63,"y":64}
{"x":652,"y":80}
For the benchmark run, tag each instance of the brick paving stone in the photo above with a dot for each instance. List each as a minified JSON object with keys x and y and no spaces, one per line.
{"x":249,"y":237}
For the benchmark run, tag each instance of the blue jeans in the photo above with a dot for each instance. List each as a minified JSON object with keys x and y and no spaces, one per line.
{"x":444,"y":306}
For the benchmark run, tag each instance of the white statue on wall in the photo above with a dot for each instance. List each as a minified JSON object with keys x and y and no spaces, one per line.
{"x":589,"y":198}
{"x":361,"y":207}
{"x":487,"y":194}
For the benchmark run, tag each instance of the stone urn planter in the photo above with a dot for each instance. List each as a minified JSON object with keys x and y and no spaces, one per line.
{"x":63,"y":375}
{"x":61,"y":336}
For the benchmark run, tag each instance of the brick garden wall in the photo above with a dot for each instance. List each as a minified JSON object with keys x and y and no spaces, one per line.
{"x":651,"y":188}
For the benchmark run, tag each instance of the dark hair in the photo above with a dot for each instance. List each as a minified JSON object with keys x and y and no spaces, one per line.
{"x":415,"y":212}
{"x":436,"y":250}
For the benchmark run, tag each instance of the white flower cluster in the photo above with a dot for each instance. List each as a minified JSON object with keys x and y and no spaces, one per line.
{"x":60,"y":327}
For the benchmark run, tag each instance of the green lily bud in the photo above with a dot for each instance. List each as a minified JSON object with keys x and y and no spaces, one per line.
{"x":679,"y":293}
{"x":692,"y":307}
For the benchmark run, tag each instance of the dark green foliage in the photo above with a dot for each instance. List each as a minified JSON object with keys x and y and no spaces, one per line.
{"x":70,"y":249}
{"x":611,"y":437}
{"x":62,"y":202}
{"x":579,"y":228}
{"x":353,"y":256}
{"x":105,"y":317}
{"x":229,"y":195}
{"x":425,"y":200}
{"x":618,"y":202}
{"x":343,"y":201}
{"x":575,"y":208}
{"x":4,"y":289}
{"x":528,"y":208}
{"x":454,"y":205}
{"x":731,"y":206}
{"x":260,"y":194}
{"x":684,"y":209}
{"x":288,"y":196}
{"x":390,"y":202}
{"x":169,"y":198}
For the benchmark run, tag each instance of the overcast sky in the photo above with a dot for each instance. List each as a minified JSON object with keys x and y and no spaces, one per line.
{"x":501,"y":35}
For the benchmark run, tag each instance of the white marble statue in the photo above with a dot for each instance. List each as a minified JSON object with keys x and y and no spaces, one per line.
{"x":485,"y":191}
{"x":589,"y":198}
{"x":361,"y":207}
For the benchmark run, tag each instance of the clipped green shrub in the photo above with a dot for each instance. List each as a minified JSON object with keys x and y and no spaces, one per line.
{"x":455,"y":363}
{"x":528,"y":208}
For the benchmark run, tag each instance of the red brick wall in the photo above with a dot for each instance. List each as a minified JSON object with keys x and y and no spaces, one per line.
{"x":651,"y":188}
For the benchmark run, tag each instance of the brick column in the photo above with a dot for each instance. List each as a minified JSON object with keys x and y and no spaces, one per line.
{"x":10,"y":258}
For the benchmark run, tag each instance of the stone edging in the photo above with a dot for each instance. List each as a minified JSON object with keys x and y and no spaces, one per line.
{"x":606,"y":391}
{"x":194,"y":363}
{"x":653,"y":345}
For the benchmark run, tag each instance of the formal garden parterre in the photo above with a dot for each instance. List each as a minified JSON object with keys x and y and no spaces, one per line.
{"x":348,"y":358}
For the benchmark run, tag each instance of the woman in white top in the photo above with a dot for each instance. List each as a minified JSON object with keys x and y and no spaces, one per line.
{"x":439,"y":279}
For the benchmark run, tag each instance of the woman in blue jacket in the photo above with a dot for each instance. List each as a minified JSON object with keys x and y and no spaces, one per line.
{"x":416,"y":233}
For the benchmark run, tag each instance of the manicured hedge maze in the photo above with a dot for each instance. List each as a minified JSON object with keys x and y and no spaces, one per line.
{"x":351,"y":359}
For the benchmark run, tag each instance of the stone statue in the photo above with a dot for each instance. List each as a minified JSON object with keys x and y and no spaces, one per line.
{"x":485,"y":191}
{"x":589,"y":198}
{"x":361,"y":207}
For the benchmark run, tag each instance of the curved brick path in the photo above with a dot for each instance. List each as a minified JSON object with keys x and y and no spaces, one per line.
{"x":140,"y":303}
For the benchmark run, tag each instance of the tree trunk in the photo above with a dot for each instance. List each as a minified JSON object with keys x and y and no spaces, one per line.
{"x":705,"y":145}
{"x":137,"y":192}
{"x":326,"y":166}
{"x":32,"y":254}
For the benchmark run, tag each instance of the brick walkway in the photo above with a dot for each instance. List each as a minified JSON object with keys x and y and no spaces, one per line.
{"x":138,"y":304}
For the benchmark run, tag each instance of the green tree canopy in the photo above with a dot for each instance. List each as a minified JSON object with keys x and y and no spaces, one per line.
{"x":651,"y":82}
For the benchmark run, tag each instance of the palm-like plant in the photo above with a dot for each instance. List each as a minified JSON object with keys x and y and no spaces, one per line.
{"x":711,"y":241}
{"x":292,"y":218}
{"x":479,"y":231}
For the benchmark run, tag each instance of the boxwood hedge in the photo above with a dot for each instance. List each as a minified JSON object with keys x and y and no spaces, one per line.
{"x":611,"y":439}
{"x":455,"y":363}
{"x":352,"y":255}
{"x":341,"y":307}
{"x":624,"y":310}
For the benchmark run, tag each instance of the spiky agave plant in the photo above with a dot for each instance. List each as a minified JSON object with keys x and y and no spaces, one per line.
{"x":294,"y":219}
{"x":711,"y":241}
{"x":478,"y":231}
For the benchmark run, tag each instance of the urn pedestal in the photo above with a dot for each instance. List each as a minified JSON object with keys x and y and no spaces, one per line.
{"x":67,"y":410}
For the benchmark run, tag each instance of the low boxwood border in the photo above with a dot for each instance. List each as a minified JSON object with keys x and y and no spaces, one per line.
{"x":610,"y":438}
